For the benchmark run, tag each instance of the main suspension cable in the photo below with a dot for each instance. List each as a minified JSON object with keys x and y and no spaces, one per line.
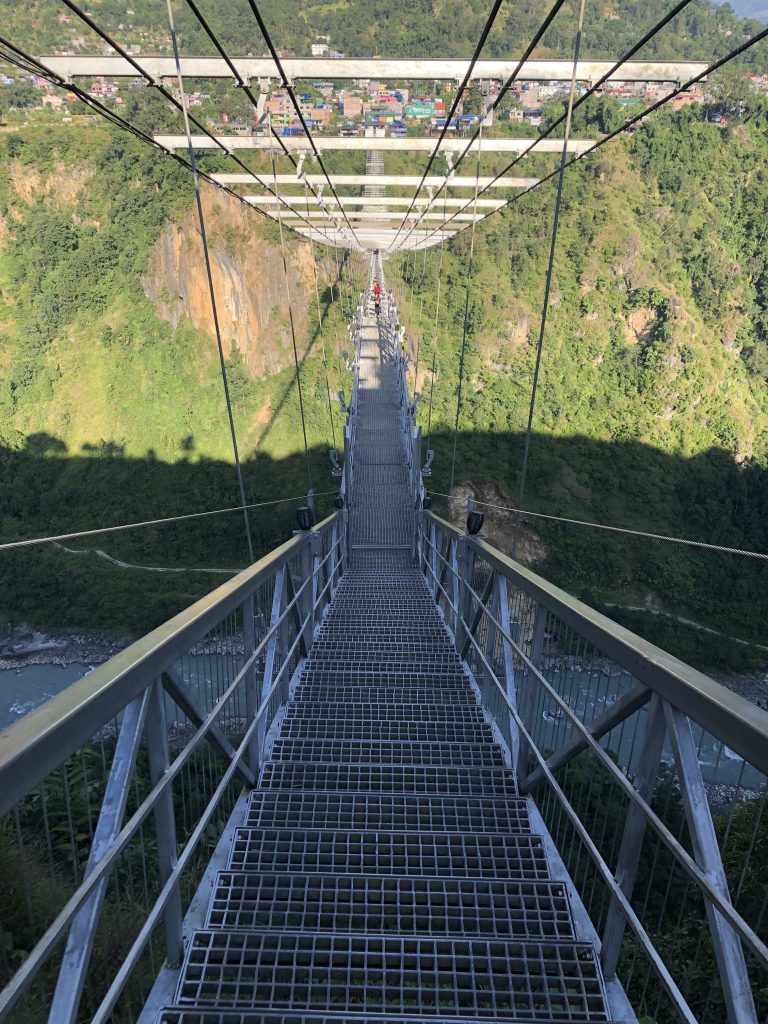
{"x":490,"y":109}
{"x":454,"y":107}
{"x":293,"y":328}
{"x":37,"y":67}
{"x":466,"y":320}
{"x":285,"y":84}
{"x":320,"y":329}
{"x":526,"y":513}
{"x":209,"y":275}
{"x":32,"y":541}
{"x":626,"y":127}
{"x":550,"y":263}
{"x":157,"y":84}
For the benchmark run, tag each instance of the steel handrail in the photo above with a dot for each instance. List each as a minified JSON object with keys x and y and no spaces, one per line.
{"x":52,"y":936}
{"x":730,"y":718}
{"x":673,"y":845}
{"x":37,"y":744}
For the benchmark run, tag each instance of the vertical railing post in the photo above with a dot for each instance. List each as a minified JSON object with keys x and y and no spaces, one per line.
{"x":454,"y":584}
{"x":490,"y":644}
{"x":537,"y":659}
{"x":272,"y":656}
{"x":251,"y":681}
{"x":729,"y":954}
{"x":416,"y":460}
{"x":306,"y":599}
{"x":156,"y":731}
{"x":632,"y":837}
{"x":510,"y":683}
{"x":432,"y":555}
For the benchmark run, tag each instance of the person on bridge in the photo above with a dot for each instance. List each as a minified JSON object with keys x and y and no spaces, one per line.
{"x":377,"y":297}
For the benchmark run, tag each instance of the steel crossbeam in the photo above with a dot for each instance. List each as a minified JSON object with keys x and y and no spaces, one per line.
{"x":420,"y":69}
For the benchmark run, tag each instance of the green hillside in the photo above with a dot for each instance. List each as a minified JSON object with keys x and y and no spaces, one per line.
{"x":652,"y":406}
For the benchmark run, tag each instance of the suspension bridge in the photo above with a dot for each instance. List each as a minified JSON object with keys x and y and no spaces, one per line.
{"x":386,"y":773}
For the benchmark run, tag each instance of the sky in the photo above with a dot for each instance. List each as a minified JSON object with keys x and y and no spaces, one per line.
{"x":751,"y":8}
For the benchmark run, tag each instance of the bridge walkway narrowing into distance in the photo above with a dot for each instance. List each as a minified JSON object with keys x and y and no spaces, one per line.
{"x":385,"y":775}
{"x":388,"y":865}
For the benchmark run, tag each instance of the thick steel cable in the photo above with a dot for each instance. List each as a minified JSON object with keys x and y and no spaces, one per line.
{"x":454,"y":107}
{"x":285,"y":84}
{"x":55,"y":538}
{"x":209,"y":275}
{"x":421,"y":310}
{"x":490,"y":109}
{"x":431,"y":396}
{"x":523,"y":513}
{"x":38,"y":68}
{"x":627,"y":126}
{"x":320,"y":329}
{"x":106,"y":38}
{"x":466,"y":321}
{"x":550,"y":264}
{"x":243,"y":84}
{"x":290,"y":319}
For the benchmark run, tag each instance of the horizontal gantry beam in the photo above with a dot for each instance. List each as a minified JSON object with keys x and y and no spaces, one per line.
{"x":394,"y":180}
{"x":318,"y":217}
{"x":300,"y":202}
{"x":390,"y":70}
{"x":299,"y":144}
{"x":381,"y":238}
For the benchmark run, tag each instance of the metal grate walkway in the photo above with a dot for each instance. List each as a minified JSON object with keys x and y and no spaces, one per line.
{"x":386,"y":870}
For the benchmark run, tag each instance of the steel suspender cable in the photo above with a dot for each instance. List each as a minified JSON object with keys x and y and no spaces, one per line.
{"x":290,"y":320}
{"x":431,"y":396}
{"x":627,"y":126}
{"x":31,"y":541}
{"x":489,"y":110}
{"x":106,"y":38}
{"x":550,"y":266}
{"x":466,"y":319}
{"x":292,"y":96}
{"x":454,"y":107}
{"x":209,"y":274}
{"x":320,"y":330}
{"x":37,"y":67}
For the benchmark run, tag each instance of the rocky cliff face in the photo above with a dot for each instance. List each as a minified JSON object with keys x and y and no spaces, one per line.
{"x":248,"y":279}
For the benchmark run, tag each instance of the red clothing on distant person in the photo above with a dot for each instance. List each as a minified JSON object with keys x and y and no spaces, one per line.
{"x":376,"y":290}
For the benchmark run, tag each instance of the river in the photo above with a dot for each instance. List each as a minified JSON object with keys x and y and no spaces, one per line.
{"x":588,"y":694}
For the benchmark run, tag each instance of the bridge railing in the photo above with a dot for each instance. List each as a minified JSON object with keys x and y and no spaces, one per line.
{"x":113,"y":795}
{"x":650,"y":777}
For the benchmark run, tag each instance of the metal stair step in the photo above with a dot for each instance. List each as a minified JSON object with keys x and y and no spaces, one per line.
{"x":373,"y":677}
{"x":398,"y":906}
{"x":460,"y":693}
{"x":350,"y":752}
{"x":480,"y":978}
{"x":430,"y":732}
{"x":429,"y":854}
{"x":373,"y":778}
{"x":386,"y":812}
{"x":389,"y":711}
{"x":187,"y":1015}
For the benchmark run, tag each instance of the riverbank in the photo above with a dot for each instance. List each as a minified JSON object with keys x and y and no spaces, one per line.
{"x":87,"y":647}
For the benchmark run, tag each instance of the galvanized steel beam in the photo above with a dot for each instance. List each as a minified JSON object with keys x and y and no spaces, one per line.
{"x":420,"y":69}
{"x":374,"y":180}
{"x":333,"y":143}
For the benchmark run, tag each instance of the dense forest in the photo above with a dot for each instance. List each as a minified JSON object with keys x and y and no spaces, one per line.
{"x":652,"y":406}
{"x":398,"y":28}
